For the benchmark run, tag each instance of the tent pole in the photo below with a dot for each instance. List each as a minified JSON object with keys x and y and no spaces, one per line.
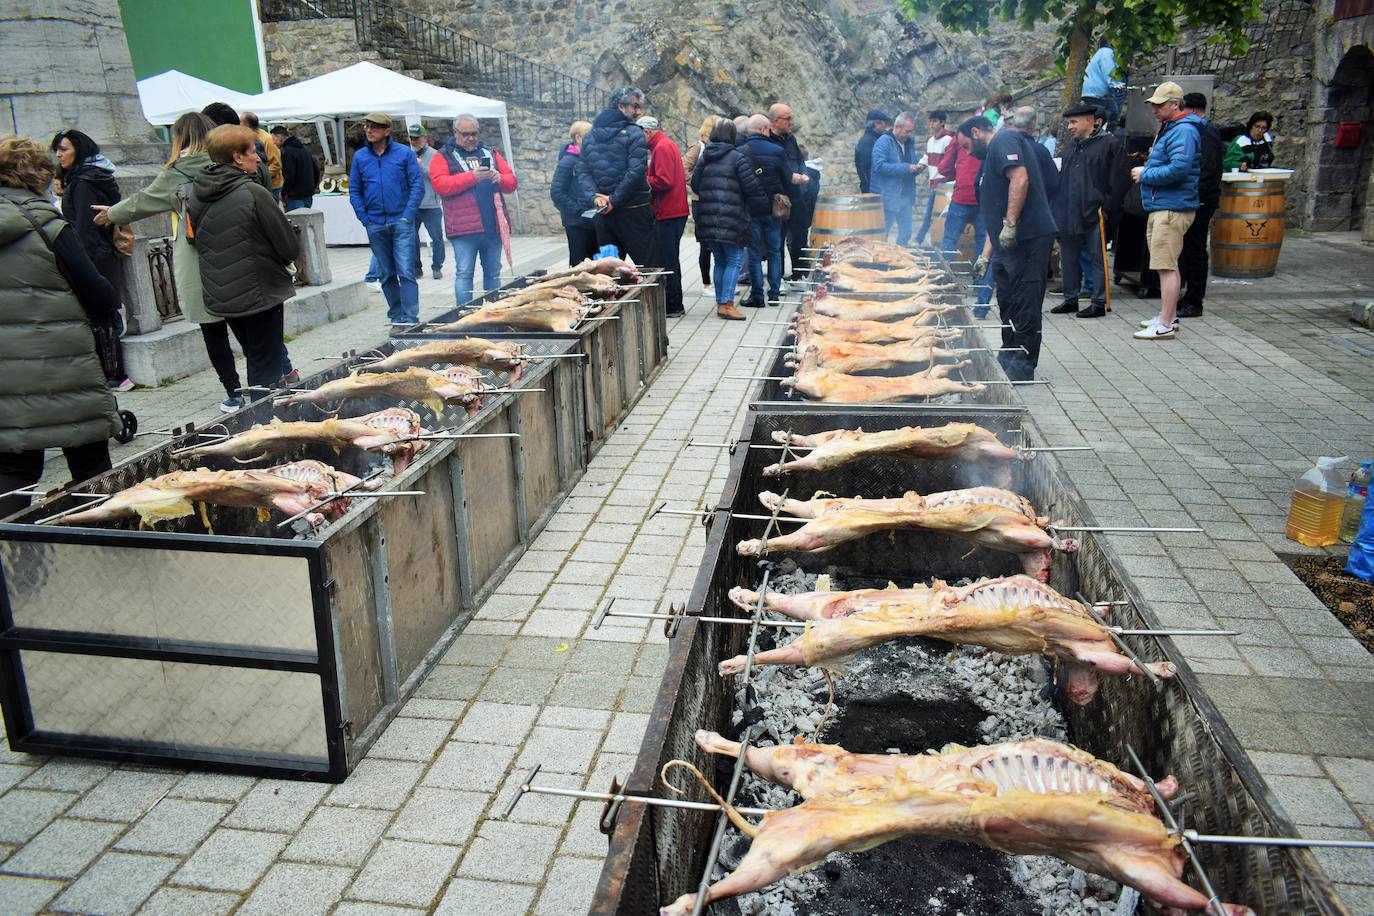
{"x":339,"y":140}
{"x":505,"y":145}
{"x":324,"y":139}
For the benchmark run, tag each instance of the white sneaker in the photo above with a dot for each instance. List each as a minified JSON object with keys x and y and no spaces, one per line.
{"x":1156,"y":332}
{"x":1154,"y":320}
{"x":375,"y":286}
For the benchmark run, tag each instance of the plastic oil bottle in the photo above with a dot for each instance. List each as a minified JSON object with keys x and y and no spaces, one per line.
{"x":1356,"y":493}
{"x":1314,"y":517}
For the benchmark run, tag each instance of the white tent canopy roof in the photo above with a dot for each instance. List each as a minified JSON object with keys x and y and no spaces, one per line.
{"x":366,"y":87}
{"x":170,"y":95}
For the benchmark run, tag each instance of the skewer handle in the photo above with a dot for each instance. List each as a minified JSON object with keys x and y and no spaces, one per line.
{"x":1112,"y":529}
{"x":1196,"y":837}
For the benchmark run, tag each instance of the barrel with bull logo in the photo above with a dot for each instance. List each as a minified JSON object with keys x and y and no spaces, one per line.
{"x":840,"y":215}
{"x":1248,"y":231}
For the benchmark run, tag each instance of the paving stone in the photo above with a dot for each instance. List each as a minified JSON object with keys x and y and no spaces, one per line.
{"x":466,"y":897}
{"x":510,"y":852}
{"x":584,"y":836}
{"x":1354,"y":777}
{"x":559,"y":750}
{"x":24,"y":896}
{"x":425,"y":708}
{"x":627,"y":733}
{"x":23,"y":813}
{"x":570,"y":887}
{"x":231,"y":860}
{"x":1346,"y":866}
{"x":1336,"y":736}
{"x":350,"y":908}
{"x":572,"y":717}
{"x":561,"y":624}
{"x":116,"y":884}
{"x":1313,"y":801}
{"x":495,"y":723}
{"x":411,"y":739}
{"x":65,"y":774}
{"x":599,"y":657}
{"x":405,"y":872}
{"x":520,"y":686}
{"x":1263,"y":731}
{"x":475,"y":650}
{"x":291,"y":887}
{"x":212,"y":786}
{"x":276,"y":804}
{"x":589,"y":691}
{"x":377,"y":783}
{"x":177,"y":901}
{"x":1269,"y":762}
{"x":569,"y":597}
{"x":174,"y":826}
{"x":123,"y":795}
{"x":506,"y":607}
{"x":476,"y":767}
{"x":1292,"y":663}
{"x":439,"y":816}
{"x":640,"y":694}
{"x":63,"y":848}
{"x":338,"y":836}
{"x":452,"y":682}
{"x":536,"y":652}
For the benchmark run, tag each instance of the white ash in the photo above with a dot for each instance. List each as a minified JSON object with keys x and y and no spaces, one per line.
{"x":1012,"y":690}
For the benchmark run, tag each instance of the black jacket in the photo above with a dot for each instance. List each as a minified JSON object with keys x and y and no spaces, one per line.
{"x":615,"y":160}
{"x":299,"y":170}
{"x":795,"y":160}
{"x":1090,"y":180}
{"x":729,"y":196}
{"x":244,"y":242}
{"x":863,"y":157}
{"x":1213,"y":152}
{"x":769,"y":164}
{"x":1049,"y":172}
{"x":83,"y":186}
{"x":567,"y":193}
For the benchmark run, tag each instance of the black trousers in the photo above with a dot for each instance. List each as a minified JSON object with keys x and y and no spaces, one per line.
{"x":24,"y":469}
{"x":216,"y":336}
{"x":667,"y":241}
{"x":1193,"y":262}
{"x":798,"y":228}
{"x":581,"y":243}
{"x":260,"y":336}
{"x":1071,"y":247}
{"x":631,"y":230}
{"x":703,"y":253}
{"x":1019,"y":273}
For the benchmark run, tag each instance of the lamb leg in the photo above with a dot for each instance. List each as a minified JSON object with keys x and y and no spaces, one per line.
{"x":1154,"y":879}
{"x":783,"y":655}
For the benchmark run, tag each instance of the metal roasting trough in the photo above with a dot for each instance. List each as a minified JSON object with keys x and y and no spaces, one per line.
{"x":274,"y":649}
{"x":660,"y":851}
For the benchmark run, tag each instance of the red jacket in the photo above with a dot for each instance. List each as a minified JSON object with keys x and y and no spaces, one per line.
{"x":454,"y":187}
{"x":667,"y":181}
{"x":963,"y":168}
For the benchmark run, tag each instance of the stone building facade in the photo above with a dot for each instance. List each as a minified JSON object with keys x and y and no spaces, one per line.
{"x":1342,"y":92}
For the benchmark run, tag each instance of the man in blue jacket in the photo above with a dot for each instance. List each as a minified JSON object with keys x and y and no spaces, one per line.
{"x":895,"y":165}
{"x":385,"y":186}
{"x":614,"y":173}
{"x":1169,"y":193}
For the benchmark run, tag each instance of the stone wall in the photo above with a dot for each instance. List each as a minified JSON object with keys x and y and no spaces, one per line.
{"x":1342,"y":89}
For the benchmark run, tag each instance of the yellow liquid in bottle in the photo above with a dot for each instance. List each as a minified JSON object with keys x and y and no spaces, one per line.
{"x":1314,"y":518}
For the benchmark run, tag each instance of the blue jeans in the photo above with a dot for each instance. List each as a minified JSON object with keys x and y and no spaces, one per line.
{"x":466,"y":248}
{"x":393,"y":247}
{"x":432,"y":218}
{"x":299,"y":203}
{"x":956,"y":218}
{"x":767,"y":247}
{"x":930,"y":214}
{"x":725,"y":272}
{"x":901,"y":218}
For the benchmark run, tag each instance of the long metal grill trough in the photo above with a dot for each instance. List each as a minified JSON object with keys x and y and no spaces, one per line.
{"x":657,"y":854}
{"x":251,"y":647}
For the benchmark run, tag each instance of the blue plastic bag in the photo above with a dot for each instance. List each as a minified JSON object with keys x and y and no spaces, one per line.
{"x":1361,"y":562}
{"x":607,"y":251}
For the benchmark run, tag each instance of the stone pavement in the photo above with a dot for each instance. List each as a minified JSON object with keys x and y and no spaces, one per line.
{"x":1209,"y":428}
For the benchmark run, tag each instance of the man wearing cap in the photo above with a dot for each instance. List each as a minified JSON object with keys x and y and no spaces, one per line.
{"x":471,"y":181}
{"x":1169,"y":193}
{"x":939,"y":141}
{"x":894,"y":175}
{"x":385,"y":187}
{"x":1192,"y":261}
{"x":614,"y":173}
{"x":668,"y":200}
{"x":1088,"y":192}
{"x":877,"y":125}
{"x":431,"y":213}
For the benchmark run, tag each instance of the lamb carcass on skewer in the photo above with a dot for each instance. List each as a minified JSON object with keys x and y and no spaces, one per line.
{"x":842,"y":356}
{"x":556,"y":315}
{"x":622,"y":270}
{"x":850,"y":279}
{"x":823,"y":384}
{"x":988,"y":516}
{"x":593,"y":284}
{"x":918,"y":328}
{"x":849,"y":269}
{"x":1014,"y":615}
{"x":1032,"y":797}
{"x":823,"y":303}
{"x":376,"y":431}
{"x":496,"y":355}
{"x":853,"y":249}
{"x":288,"y":488}
{"x":953,"y":441}
{"x":541,"y":294}
{"x":456,"y":383}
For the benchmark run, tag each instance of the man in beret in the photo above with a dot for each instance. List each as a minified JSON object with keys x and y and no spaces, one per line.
{"x":877,"y":125}
{"x":1089,"y":193}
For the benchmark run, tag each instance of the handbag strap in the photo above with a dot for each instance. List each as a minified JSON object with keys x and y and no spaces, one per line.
{"x":37,"y":227}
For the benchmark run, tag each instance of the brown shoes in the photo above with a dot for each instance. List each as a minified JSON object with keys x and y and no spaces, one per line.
{"x":728,"y":311}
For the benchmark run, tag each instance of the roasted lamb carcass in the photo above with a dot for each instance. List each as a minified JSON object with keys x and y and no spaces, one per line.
{"x":591,"y":284}
{"x":823,"y":384}
{"x":919,"y":329}
{"x":899,"y":275}
{"x":378,"y":431}
{"x":1014,"y":615}
{"x":622,"y":270}
{"x":1033,"y":797}
{"x":496,"y":355}
{"x":853,"y":249}
{"x":915,"y":307}
{"x":842,"y":356}
{"x":456,"y":383}
{"x":951,"y":442}
{"x":556,"y":315}
{"x":988,"y":516}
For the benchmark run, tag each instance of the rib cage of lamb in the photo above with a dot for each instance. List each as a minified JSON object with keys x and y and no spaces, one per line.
{"x":823,"y":384}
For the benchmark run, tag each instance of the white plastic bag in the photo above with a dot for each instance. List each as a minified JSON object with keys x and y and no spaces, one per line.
{"x":1324,"y":478}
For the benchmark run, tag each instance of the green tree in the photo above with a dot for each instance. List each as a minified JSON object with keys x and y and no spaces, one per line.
{"x":1132,"y":27}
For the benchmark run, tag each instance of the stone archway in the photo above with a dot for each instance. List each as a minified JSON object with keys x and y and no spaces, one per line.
{"x":1344,"y":198}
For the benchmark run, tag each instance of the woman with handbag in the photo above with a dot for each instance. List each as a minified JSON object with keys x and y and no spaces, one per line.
{"x":170,"y":192}
{"x":87,"y":181}
{"x":729,"y":195}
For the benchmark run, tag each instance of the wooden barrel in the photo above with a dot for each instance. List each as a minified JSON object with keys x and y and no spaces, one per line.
{"x":943,"y":195}
{"x":1248,"y":230}
{"x":839,"y":215}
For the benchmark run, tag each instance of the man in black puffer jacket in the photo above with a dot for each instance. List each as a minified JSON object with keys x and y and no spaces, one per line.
{"x":245,"y":244}
{"x":614,"y":172}
{"x":770,"y":166}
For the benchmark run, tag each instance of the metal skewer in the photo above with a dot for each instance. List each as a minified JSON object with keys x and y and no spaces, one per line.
{"x":701,"y":513}
{"x":1113,"y":529}
{"x":1121,"y":644}
{"x":72,"y":511}
{"x":526,"y":786}
{"x":329,"y":499}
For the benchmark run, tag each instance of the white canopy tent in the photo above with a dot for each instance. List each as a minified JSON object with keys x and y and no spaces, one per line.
{"x":170,"y":95}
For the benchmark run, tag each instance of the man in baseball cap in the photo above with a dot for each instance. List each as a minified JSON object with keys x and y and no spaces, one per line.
{"x":877,"y":124}
{"x":385,"y":187}
{"x":1169,"y":193}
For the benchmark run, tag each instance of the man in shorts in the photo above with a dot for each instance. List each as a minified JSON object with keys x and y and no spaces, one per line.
{"x":1169,"y":193}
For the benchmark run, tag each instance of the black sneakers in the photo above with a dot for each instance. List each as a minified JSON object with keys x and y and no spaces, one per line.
{"x":1065,"y":308}
{"x":1189,"y":310}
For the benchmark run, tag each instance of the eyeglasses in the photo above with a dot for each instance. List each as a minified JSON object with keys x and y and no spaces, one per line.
{"x":469,"y":133}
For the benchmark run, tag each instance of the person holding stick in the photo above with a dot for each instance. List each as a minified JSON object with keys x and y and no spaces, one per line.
{"x":1088,"y":190}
